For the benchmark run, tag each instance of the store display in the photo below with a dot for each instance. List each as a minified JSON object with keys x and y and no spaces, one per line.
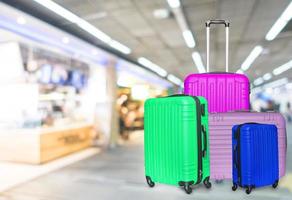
{"x":255,"y":156}
{"x":224,"y":91}
{"x":76,"y":79}
{"x":59,"y":75}
{"x":39,"y":146}
{"x":45,"y":73}
{"x":176,"y":141}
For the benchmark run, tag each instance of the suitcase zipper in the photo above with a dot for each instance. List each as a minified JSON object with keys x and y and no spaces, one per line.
{"x":199,"y":133}
{"x":199,"y":138}
{"x":238,"y":151}
{"x":238,"y":159}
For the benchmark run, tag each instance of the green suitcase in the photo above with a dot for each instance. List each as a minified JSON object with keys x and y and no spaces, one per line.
{"x":177,"y":141}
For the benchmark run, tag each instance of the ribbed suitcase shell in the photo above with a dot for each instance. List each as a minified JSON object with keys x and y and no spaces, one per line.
{"x":258,"y":155}
{"x":223,"y":91}
{"x":171,"y":148}
{"x":220,"y":130}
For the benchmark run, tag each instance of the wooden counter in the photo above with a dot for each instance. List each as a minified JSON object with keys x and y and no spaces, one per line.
{"x":37,"y":146}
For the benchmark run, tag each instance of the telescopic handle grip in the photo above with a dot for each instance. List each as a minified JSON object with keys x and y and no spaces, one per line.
{"x":217,"y":21}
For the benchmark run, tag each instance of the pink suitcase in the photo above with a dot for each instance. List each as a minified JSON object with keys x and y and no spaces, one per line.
{"x":220,"y":129}
{"x":224,"y":91}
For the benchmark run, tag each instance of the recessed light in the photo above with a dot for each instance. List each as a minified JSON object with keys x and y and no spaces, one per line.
{"x":161,"y":13}
{"x":174,"y":79}
{"x":267,"y":76}
{"x":258,"y":81}
{"x":189,"y":38}
{"x":198,"y":62}
{"x":65,"y":40}
{"x":240,"y":71}
{"x":21,"y":20}
{"x":83,"y":24}
{"x":152,"y":66}
{"x":283,"y":68}
{"x":173,"y":3}
{"x":281,"y":22}
{"x":251,"y":57}
{"x":277,"y":83}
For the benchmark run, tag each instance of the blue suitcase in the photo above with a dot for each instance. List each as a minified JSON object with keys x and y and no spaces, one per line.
{"x":254,"y":156}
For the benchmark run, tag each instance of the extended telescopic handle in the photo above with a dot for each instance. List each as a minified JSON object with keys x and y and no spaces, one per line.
{"x":226,"y":24}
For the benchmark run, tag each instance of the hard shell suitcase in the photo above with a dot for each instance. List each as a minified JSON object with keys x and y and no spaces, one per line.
{"x":176,"y":141}
{"x":255,"y":156}
{"x":220,"y":128}
{"x":224,"y":91}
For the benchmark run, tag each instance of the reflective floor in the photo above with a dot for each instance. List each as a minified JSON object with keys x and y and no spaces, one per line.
{"x":119,"y":174}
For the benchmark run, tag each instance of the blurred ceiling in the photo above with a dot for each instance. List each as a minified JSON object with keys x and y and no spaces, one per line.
{"x":159,"y":39}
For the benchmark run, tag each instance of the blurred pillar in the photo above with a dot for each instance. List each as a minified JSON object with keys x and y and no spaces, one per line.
{"x":112,"y":99}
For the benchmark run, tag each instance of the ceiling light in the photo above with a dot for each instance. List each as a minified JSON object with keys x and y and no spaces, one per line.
{"x":283,"y":68}
{"x":256,"y":90}
{"x":240,"y":71}
{"x":276,"y":83}
{"x":56,"y":8}
{"x":198,"y":61}
{"x":21,"y":20}
{"x":95,"y":16}
{"x":280,"y":23}
{"x":189,"y":38}
{"x":65,"y":40}
{"x":258,"y":81}
{"x":161,"y":13}
{"x":251,"y":57}
{"x":267,"y":76}
{"x":59,"y":10}
{"x":152,"y":66}
{"x":93,"y":31}
{"x":174,"y":79}
{"x":122,"y":48}
{"x":289,"y":86}
{"x":173,"y":3}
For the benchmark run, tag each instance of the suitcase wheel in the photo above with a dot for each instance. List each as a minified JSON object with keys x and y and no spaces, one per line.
{"x":188,"y":189}
{"x":234,"y":187}
{"x":248,"y":190}
{"x":186,"y":186}
{"x":275,"y":185}
{"x":207,"y":183}
{"x":150,"y":182}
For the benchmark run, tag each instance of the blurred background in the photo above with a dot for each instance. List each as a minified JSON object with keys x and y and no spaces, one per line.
{"x":74,"y":76}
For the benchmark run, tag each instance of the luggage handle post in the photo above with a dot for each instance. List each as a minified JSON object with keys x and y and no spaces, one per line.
{"x":205,"y":140}
{"x":226,"y":24}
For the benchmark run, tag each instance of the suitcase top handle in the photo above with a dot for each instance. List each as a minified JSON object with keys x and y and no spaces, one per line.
{"x":226,"y":24}
{"x":217,"y":21}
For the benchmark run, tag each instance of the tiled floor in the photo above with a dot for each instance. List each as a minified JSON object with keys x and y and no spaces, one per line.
{"x":13,"y":174}
{"x":119,"y":174}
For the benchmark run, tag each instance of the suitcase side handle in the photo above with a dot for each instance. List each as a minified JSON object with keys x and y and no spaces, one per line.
{"x":205,"y":140}
{"x":208,"y":25}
